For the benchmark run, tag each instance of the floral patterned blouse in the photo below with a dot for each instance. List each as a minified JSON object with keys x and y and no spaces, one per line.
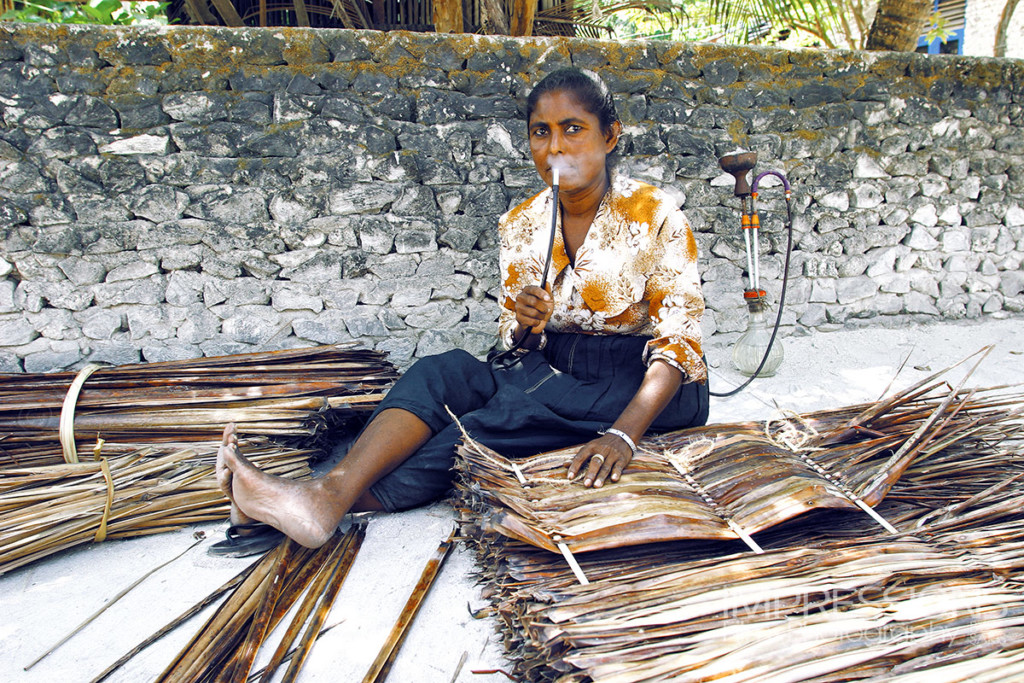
{"x":635,"y":273}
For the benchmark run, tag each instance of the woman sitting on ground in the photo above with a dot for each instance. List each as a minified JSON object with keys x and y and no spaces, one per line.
{"x":610,"y":350}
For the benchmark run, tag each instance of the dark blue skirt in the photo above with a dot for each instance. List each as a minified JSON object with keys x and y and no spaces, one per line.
{"x":564,"y":395}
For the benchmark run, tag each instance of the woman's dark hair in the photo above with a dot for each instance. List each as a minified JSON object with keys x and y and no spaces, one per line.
{"x":586,"y":86}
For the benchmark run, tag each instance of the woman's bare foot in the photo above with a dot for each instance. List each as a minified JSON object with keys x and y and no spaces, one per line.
{"x":230,"y":440}
{"x":304,"y":510}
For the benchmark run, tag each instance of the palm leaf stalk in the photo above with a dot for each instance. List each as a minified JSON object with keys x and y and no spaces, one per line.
{"x":225,"y":647}
{"x":178,"y":621}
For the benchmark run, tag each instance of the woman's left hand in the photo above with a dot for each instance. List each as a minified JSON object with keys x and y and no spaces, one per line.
{"x":608,"y":456}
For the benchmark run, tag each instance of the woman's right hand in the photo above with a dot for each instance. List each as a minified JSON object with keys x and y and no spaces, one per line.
{"x":534,"y":307}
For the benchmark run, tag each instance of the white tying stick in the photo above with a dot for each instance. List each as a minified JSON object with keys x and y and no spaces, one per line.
{"x":573,"y":564}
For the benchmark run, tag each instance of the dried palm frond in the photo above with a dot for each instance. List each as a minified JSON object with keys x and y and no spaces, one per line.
{"x":227,"y":644}
{"x":834,"y":610}
{"x":732,"y":481}
{"x":149,"y":435}
{"x":834,"y":597}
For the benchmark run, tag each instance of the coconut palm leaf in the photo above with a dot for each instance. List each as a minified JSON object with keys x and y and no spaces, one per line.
{"x":833,"y":598}
{"x":833,"y":22}
{"x":734,"y":481}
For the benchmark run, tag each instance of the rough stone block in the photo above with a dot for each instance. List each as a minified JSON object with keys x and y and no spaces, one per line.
{"x":295,"y":299}
{"x":149,"y":291}
{"x":254,"y":328}
{"x":160,"y":203}
{"x":417,"y":237}
{"x":436,"y":315}
{"x":114,"y":353}
{"x":102,"y":324}
{"x":83,"y":272}
{"x":323,"y":267}
{"x":150,"y":322}
{"x":823,"y":291}
{"x":161,"y":353}
{"x":1011,"y":284}
{"x":198,"y":324}
{"x":62,"y":355}
{"x":363,"y":198}
{"x":363,"y":322}
{"x":851,"y":289}
{"x":955,"y":240}
{"x":139,"y":144}
{"x":137,"y":270}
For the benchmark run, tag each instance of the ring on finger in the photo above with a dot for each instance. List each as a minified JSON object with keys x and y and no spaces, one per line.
{"x":595,"y":456}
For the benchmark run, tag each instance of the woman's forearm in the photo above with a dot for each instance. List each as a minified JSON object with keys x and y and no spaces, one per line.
{"x":659,"y":385}
{"x":609,"y":454}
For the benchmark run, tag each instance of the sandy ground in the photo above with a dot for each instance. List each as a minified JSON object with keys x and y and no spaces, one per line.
{"x":45,"y":601}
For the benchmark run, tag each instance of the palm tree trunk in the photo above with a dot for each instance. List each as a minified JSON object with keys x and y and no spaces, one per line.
{"x":493,"y":20}
{"x":898,"y":24}
{"x":999,"y":49}
{"x":448,"y":16}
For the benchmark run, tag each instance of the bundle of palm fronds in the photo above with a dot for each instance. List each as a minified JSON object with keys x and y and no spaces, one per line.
{"x":227,"y":645}
{"x":732,"y":481}
{"x":149,"y":435}
{"x":834,"y":596}
{"x":868,"y":609}
{"x":50,"y":508}
{"x":291,"y":393}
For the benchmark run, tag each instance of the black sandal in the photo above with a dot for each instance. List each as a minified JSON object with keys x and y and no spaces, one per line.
{"x":243,"y":540}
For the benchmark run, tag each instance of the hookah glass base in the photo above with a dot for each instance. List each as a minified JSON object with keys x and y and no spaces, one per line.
{"x":751,"y":346}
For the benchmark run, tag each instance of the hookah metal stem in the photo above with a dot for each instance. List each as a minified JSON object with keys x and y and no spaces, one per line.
{"x":745,"y":227}
{"x":755,"y":225}
{"x":782,"y":297}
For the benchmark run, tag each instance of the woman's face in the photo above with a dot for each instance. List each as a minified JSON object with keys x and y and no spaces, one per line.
{"x":565,"y":135}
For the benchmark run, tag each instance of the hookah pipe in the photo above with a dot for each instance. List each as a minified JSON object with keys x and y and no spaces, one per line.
{"x":739,"y":165}
{"x":509,"y":358}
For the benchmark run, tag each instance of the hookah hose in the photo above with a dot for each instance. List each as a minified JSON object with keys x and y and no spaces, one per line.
{"x":785,"y":274}
{"x":509,"y":357}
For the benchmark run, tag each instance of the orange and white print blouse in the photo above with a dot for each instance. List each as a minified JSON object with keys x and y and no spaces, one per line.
{"x":635,"y":273}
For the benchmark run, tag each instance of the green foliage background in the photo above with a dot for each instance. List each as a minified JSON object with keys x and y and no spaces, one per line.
{"x":108,"y":12}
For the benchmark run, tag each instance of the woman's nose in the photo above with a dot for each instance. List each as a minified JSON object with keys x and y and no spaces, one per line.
{"x":555,"y":142}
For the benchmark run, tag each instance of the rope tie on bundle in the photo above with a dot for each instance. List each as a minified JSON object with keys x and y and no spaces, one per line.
{"x":66,"y":434}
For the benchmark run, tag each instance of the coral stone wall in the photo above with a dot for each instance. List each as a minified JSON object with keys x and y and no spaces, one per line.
{"x":195,"y":191}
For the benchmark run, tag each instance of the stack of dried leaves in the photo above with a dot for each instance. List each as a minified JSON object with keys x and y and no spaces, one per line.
{"x":732,"y":481}
{"x":296,"y":393}
{"x":835,"y":596}
{"x":148,"y":436}
{"x":46,"y":509}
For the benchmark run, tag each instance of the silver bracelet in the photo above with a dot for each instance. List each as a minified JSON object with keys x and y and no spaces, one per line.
{"x":622,"y":435}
